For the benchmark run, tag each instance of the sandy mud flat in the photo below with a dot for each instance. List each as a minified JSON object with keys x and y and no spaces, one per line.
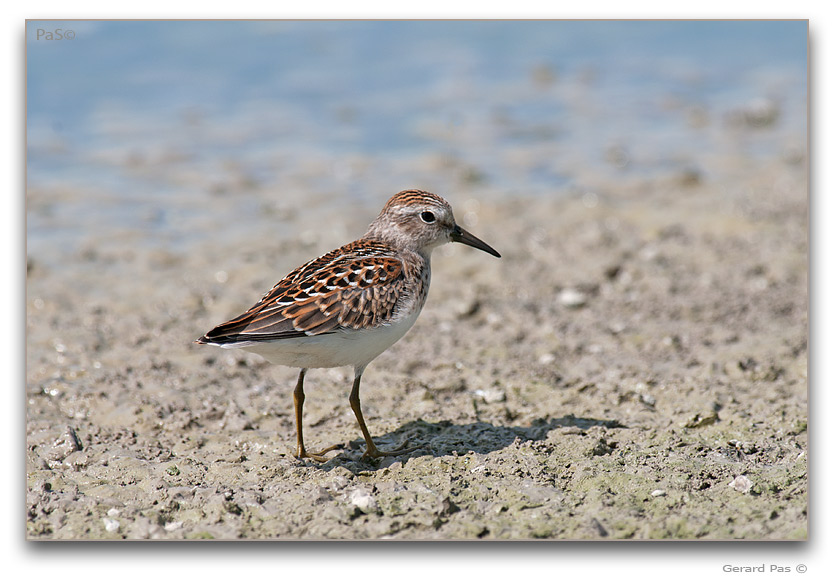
{"x":634,"y":367}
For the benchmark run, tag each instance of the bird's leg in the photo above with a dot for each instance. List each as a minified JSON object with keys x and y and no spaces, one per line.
{"x":298,"y":402}
{"x":371,"y":450}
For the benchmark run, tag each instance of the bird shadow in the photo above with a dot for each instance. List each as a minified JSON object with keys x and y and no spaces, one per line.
{"x":445,"y":438}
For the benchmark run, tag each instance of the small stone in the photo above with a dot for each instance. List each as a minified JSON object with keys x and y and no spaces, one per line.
{"x":616,"y":327}
{"x":572,"y":298}
{"x":659,"y":493}
{"x":741,"y":484}
{"x":74,"y":441}
{"x":468,"y":308}
{"x":647,"y":399}
{"x":110,"y":524}
{"x":171,"y":526}
{"x":547,"y":358}
{"x":113,"y":512}
{"x":364,"y":501}
{"x":491,"y":395}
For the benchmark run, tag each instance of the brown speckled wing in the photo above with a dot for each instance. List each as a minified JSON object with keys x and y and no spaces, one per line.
{"x":356,"y":286}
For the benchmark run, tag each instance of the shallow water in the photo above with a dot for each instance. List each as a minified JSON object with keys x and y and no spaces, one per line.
{"x":140,"y":126}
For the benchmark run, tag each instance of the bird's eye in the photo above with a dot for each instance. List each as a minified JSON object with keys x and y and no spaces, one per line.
{"x":427,"y":217}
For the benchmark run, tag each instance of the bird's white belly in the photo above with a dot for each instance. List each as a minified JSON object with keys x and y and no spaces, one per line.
{"x":355,"y":348}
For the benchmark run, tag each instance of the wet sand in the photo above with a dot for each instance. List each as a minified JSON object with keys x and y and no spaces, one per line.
{"x":634,"y":367}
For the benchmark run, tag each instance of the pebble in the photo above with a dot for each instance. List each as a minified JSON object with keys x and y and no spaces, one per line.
{"x":741,"y":484}
{"x":648,"y":399}
{"x":659,"y":493}
{"x":491,"y":395}
{"x":63,"y":446}
{"x":572,"y":298}
{"x":616,"y":327}
{"x":363,"y":501}
{"x":110,"y":524}
{"x":468,"y":308}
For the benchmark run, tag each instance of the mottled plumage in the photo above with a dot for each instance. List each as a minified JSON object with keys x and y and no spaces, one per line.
{"x":361,"y":285}
{"x":348,"y":306}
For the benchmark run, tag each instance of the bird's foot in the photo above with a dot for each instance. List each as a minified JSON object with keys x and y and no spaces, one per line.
{"x":316,"y":455}
{"x":373,"y":452}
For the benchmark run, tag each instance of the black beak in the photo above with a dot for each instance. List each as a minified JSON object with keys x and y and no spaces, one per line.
{"x":461,"y":235}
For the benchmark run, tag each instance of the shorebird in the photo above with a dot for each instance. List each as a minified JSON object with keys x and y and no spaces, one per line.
{"x":348,"y":306}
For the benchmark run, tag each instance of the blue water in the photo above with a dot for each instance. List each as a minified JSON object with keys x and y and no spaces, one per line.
{"x":188,"y":97}
{"x":163,"y":67}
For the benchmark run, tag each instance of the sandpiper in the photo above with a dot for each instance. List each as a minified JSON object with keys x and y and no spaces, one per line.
{"x":348,"y":306}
